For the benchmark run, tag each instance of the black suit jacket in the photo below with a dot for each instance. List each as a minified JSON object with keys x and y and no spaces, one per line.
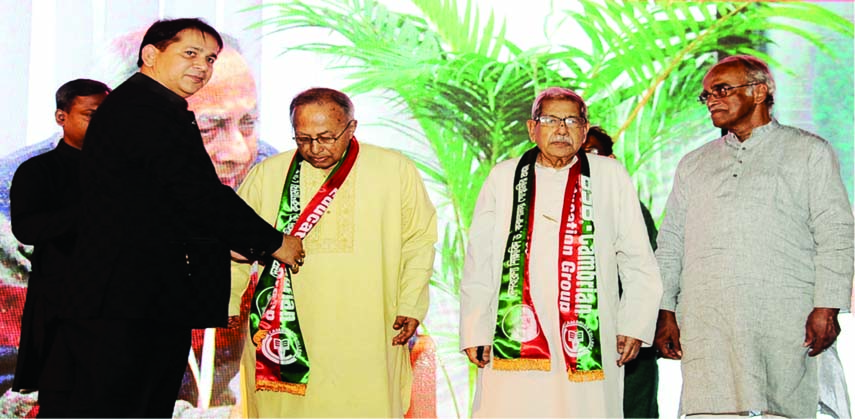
{"x":156,"y":224}
{"x":44,"y":208}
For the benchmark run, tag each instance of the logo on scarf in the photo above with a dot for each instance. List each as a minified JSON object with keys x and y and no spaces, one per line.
{"x":576,"y":338}
{"x":263,"y":299}
{"x":281,"y":347}
{"x":520,"y":323}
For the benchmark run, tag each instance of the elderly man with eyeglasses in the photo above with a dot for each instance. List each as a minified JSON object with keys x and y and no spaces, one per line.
{"x":540,"y":311}
{"x":756,"y":253}
{"x":330,"y":341}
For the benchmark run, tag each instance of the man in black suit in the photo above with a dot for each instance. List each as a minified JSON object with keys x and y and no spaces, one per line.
{"x":152,"y":256}
{"x":45,"y":201}
{"x":226,"y":110}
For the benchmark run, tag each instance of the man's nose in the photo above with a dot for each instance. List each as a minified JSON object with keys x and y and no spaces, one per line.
{"x":235,"y":147}
{"x":315,"y":146}
{"x":713,"y":99}
{"x":562,"y":127}
{"x":201,"y":62}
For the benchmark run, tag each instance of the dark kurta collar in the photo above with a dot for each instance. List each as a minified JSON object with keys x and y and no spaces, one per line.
{"x":67,"y":150}
{"x":153,"y":86}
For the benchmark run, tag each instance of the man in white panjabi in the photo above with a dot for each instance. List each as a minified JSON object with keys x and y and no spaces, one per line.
{"x":756,"y":253}
{"x":540,"y":313}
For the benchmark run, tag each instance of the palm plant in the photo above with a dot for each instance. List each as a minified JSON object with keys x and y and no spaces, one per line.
{"x":469,"y":90}
{"x":647,"y":61}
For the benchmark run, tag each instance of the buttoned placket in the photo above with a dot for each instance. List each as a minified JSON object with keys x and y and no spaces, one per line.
{"x":738,"y":167}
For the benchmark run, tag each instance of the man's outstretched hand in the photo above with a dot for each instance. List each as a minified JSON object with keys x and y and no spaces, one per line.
{"x":291,"y":252}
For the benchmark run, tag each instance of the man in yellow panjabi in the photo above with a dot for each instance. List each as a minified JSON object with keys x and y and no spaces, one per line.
{"x":330,"y":341}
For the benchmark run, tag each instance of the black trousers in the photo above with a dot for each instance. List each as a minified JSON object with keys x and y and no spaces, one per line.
{"x":641,"y":386}
{"x":113,"y":368}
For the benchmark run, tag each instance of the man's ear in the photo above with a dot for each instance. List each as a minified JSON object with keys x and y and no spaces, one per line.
{"x":531,"y":124}
{"x":761,"y":91}
{"x":149,"y":55}
{"x":60,"y":116}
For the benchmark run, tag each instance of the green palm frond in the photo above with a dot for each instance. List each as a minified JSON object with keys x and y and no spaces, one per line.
{"x":647,"y":59}
{"x":385,"y":49}
{"x":464,"y":34}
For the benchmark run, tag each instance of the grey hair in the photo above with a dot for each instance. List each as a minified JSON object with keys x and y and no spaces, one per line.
{"x":757,"y":71}
{"x":558,"y":93}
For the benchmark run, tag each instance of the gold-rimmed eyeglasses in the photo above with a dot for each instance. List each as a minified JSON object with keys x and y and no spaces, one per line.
{"x":321,"y":139}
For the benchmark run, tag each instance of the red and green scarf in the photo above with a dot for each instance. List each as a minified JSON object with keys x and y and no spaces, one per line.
{"x":281,"y":359}
{"x":518,"y":341}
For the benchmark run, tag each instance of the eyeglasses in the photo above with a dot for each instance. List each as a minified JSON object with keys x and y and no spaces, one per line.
{"x":721,"y":91}
{"x":306,"y":140}
{"x":554,"y":121}
{"x":213,"y":127}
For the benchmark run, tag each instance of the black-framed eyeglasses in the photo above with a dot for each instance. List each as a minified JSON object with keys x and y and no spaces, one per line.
{"x":323,"y":140}
{"x":721,"y":91}
{"x":554,"y":121}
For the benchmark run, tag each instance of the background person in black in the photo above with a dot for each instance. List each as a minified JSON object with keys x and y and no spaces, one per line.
{"x":44,"y":199}
{"x":641,"y":376}
{"x":156,"y":227}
